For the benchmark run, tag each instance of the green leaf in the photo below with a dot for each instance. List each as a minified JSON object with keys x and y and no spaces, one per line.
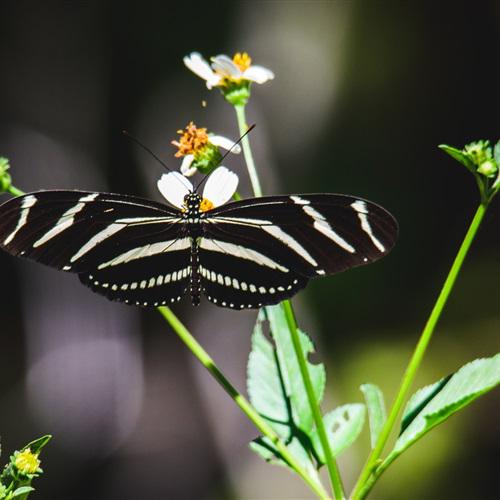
{"x":37,"y":445}
{"x":467,"y":384}
{"x":275,"y":385}
{"x":343,"y":425}
{"x":419,"y":400}
{"x":459,"y":155}
{"x":376,"y":410}
{"x":290,"y":369}
{"x":22,"y":491}
{"x":496,"y":153}
{"x":276,"y":389}
{"x":265,"y":384}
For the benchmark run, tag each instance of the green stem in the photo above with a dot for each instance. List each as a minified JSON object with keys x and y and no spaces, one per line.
{"x":292,"y":326}
{"x":331,"y":464}
{"x":247,"y":152}
{"x":14,"y":191}
{"x":204,"y":358}
{"x":377,"y":472}
{"x":418,"y":354}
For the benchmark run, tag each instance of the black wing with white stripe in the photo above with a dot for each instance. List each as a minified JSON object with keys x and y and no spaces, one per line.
{"x":123,"y":247}
{"x":261,"y":251}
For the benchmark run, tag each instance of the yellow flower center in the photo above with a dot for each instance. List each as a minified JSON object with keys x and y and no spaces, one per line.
{"x":27,"y":462}
{"x":242,"y":60}
{"x":206,"y":205}
{"x":192,"y":140}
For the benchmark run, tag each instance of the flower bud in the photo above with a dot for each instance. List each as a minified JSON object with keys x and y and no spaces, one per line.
{"x":26,"y":462}
{"x":478,"y":152}
{"x":5,"y":179}
{"x":488,"y":168}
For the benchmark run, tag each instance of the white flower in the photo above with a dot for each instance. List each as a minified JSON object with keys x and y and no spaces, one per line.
{"x":219,"y":188}
{"x":200,"y":67}
{"x":225,"y":70}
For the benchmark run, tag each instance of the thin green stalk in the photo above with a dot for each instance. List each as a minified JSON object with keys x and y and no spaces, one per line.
{"x":204,"y":358}
{"x":418,"y":354}
{"x":365,"y":490}
{"x":332,"y":467}
{"x":331,"y":464}
{"x":14,"y":191}
{"x":245,"y":143}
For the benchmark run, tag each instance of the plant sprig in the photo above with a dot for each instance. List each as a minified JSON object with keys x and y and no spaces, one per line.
{"x":22,"y":468}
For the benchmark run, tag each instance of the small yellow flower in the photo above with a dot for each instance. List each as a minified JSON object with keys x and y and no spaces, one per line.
{"x":27,"y":462}
{"x":200,"y":150}
{"x":242,"y":60}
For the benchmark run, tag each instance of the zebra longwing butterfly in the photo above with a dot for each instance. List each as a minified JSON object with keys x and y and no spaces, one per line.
{"x":243,"y":254}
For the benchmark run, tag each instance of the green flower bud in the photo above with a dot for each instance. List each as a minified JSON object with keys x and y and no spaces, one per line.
{"x":5,"y":179}
{"x":207,"y":159}
{"x":26,"y":462}
{"x":478,"y":152}
{"x":488,"y":168}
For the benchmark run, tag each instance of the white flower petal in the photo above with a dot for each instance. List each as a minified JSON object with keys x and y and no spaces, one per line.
{"x":174,"y":186}
{"x":258,"y":74}
{"x":186,"y":168}
{"x":225,"y":143}
{"x":213,"y":82}
{"x":226,"y":67}
{"x":200,"y":67}
{"x":220,"y":186}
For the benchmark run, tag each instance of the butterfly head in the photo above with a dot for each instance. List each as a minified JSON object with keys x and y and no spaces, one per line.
{"x":192,"y":202}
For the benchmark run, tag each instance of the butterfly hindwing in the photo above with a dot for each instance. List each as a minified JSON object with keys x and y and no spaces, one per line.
{"x":151,"y":275}
{"x":236,"y":276}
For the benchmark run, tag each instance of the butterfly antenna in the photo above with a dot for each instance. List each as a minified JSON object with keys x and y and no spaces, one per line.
{"x":225,"y":154}
{"x":139,"y":143}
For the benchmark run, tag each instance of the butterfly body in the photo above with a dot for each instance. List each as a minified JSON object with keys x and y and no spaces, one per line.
{"x":240,"y":255}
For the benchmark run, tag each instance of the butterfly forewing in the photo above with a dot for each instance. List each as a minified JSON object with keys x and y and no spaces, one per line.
{"x":77,"y":230}
{"x":314,"y":234}
{"x":117,"y":244}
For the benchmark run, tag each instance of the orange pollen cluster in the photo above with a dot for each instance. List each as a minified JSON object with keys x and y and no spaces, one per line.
{"x":242,"y":60}
{"x":206,"y":205}
{"x":191,"y":141}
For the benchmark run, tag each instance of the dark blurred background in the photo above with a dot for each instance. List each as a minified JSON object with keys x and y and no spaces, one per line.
{"x":364,"y":93}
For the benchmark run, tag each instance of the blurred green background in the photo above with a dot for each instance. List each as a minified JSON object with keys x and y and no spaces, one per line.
{"x":364,"y":92}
